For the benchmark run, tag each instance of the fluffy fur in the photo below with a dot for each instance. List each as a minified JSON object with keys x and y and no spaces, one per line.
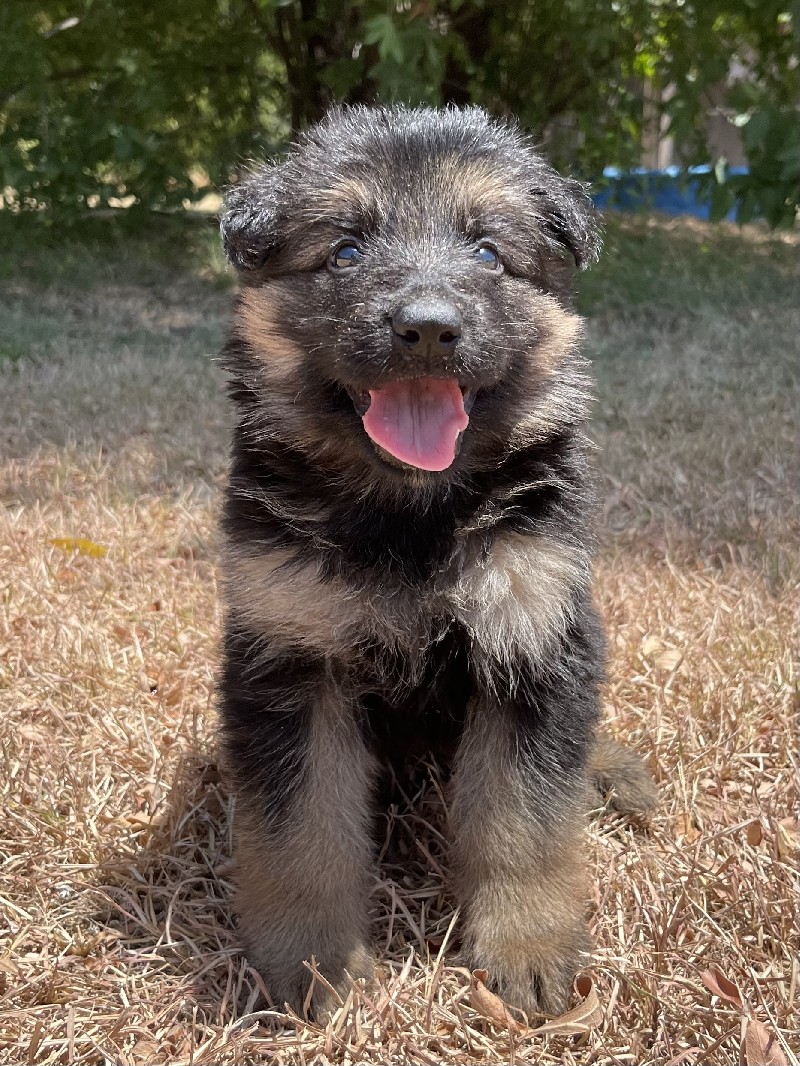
{"x":376,"y":610}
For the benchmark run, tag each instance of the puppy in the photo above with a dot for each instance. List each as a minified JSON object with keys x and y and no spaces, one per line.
{"x":407,"y":521}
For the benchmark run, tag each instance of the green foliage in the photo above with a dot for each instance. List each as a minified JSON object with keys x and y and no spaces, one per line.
{"x":709,"y":40}
{"x":771,"y":137}
{"x":115,"y":101}
{"x":106,"y":99}
{"x":411,"y":57}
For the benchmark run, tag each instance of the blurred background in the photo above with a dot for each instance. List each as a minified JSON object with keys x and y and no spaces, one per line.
{"x":109,"y":103}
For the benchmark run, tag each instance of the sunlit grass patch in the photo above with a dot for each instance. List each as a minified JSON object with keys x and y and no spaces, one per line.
{"x":117,"y":942}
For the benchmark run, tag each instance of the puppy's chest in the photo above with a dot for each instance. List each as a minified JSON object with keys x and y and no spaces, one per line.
{"x":507,"y":600}
{"x":512,"y":598}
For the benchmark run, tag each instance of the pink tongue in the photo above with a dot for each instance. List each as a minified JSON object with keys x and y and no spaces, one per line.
{"x":417,"y":421}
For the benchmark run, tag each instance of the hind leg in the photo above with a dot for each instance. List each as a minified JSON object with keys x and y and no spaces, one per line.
{"x":620,"y":778}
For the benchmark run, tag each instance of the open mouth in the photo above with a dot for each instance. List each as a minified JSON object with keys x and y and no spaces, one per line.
{"x":417,"y":421}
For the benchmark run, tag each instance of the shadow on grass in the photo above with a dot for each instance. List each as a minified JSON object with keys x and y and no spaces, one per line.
{"x":168,"y":892}
{"x":167,"y":898}
{"x":169,"y":902}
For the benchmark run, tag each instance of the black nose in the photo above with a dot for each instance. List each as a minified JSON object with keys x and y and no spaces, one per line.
{"x":427,"y":326}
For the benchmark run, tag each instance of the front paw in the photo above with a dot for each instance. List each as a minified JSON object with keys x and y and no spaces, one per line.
{"x":291,"y":983}
{"x":535,"y":976}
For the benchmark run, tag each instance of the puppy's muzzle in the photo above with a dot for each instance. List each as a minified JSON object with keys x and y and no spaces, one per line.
{"x":428,"y":327}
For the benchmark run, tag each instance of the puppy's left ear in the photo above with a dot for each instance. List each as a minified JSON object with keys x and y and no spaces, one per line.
{"x":570,"y":219}
{"x":249,"y":224}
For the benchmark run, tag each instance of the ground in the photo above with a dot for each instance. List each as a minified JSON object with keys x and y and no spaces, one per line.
{"x":117,"y":943}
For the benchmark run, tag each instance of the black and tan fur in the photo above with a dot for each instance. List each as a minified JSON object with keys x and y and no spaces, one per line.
{"x":377,"y":611}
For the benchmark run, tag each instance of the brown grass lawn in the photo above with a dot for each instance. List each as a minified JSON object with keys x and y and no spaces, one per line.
{"x":117,"y":943}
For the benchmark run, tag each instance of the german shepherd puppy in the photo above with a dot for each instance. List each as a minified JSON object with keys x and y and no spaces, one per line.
{"x":408,"y":539}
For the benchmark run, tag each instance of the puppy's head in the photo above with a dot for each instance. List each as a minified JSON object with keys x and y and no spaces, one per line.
{"x":404,"y":288}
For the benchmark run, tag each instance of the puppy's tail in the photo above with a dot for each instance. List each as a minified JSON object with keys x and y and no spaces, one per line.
{"x":620,"y":780}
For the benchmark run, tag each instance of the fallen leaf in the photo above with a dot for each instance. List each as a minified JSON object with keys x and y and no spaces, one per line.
{"x":652,"y":646}
{"x":146,"y":1050}
{"x":787,"y":838}
{"x":761,"y":1047}
{"x":143,"y":819}
{"x":81,"y":545}
{"x":489,"y":1005}
{"x":146,"y":684}
{"x":661,"y":654}
{"x":754,"y":834}
{"x":174,"y":695}
{"x":685,"y":827}
{"x":717,"y":983}
{"x":587,"y":1014}
{"x":139,"y":822}
{"x":669,"y":659}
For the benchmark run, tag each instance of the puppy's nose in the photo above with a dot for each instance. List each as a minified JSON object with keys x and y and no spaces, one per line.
{"x":427,"y":326}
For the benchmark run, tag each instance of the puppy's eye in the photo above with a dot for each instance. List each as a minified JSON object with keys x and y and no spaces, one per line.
{"x":488,"y":257}
{"x":345,"y":255}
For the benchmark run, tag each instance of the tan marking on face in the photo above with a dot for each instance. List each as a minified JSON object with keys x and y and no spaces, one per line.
{"x":521,"y":598}
{"x":319,"y":225}
{"x":346,"y":193}
{"x":477,"y":188}
{"x":303,"y":882}
{"x":563,"y":389}
{"x":560,"y":331}
{"x":282,"y":384}
{"x":260,"y":325}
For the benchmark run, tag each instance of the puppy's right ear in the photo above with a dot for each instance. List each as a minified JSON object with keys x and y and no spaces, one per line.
{"x":249,"y":224}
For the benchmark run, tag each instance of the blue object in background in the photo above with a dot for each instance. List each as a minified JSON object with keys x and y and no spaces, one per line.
{"x":673,"y":190}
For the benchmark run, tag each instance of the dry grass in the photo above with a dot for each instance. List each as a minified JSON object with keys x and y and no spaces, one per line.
{"x":117,"y":944}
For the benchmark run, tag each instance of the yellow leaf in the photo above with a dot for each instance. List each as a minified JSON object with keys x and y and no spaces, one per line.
{"x":81,"y":545}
